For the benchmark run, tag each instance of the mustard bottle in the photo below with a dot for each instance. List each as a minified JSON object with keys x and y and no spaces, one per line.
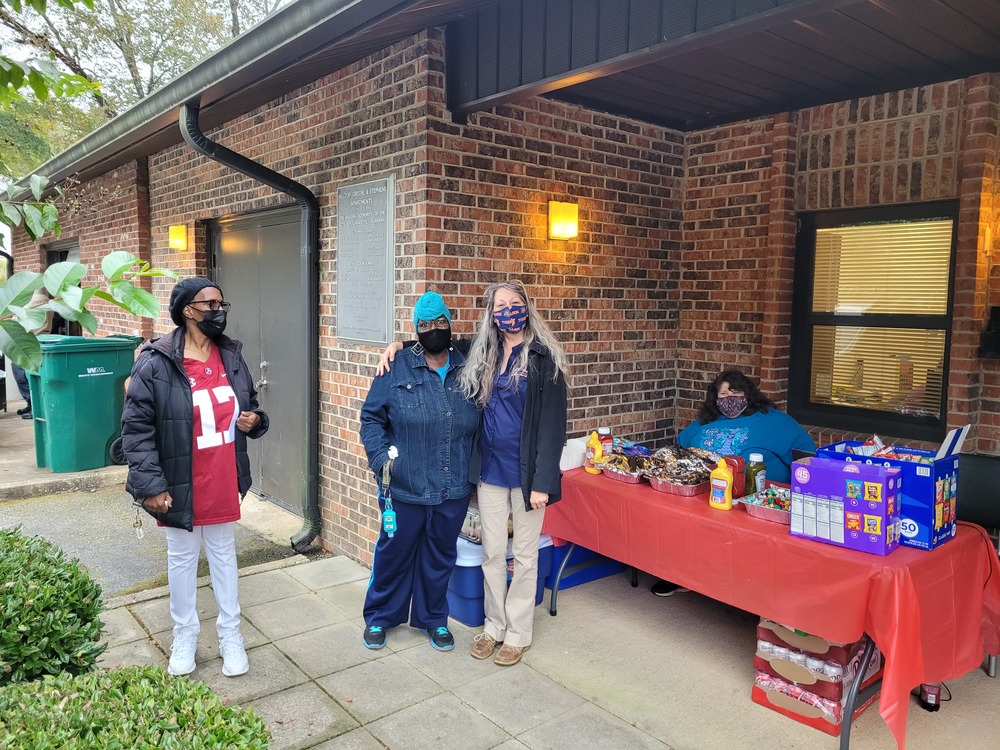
{"x":721,"y":496}
{"x":593,"y":454}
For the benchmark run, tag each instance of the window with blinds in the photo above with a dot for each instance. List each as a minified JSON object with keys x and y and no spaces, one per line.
{"x":872,"y":320}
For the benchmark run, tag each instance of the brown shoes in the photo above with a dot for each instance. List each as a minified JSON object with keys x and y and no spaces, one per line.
{"x":483,"y":645}
{"x":509,"y":655}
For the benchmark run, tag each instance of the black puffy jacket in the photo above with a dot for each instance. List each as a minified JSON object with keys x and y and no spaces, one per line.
{"x":158,"y":423}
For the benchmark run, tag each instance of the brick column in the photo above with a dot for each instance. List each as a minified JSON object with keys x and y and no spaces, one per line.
{"x":780,"y":262}
{"x":978,"y":159}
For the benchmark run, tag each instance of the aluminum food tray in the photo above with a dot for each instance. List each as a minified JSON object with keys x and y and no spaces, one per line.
{"x":775,"y":515}
{"x":621,"y":476}
{"x":684,"y":490}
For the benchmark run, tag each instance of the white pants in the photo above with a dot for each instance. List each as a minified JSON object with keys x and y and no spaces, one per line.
{"x":183,"y":551}
{"x":510,"y":612}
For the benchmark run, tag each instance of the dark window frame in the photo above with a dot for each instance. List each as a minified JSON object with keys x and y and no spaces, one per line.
{"x":846,"y":418}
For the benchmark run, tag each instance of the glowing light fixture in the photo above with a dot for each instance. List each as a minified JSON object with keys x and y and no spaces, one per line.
{"x":178,"y":237}
{"x":563,"y":220}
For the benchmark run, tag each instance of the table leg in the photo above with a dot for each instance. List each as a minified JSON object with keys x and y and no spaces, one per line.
{"x":635,"y":577}
{"x":852,"y":695}
{"x":991,"y":666}
{"x":559,"y":575}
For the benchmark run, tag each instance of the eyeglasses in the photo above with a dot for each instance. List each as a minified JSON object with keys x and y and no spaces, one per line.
{"x":425,"y":325}
{"x":213,"y":304}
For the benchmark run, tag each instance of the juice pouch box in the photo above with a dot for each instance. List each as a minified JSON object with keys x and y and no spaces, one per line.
{"x":851,"y":505}
{"x":930,"y":487}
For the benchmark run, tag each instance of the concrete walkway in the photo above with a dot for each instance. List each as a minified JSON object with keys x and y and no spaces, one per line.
{"x":617,"y":668}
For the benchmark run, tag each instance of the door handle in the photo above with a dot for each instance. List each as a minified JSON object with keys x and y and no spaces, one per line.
{"x":260,"y":384}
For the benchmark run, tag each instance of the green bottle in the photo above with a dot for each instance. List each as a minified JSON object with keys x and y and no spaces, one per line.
{"x":756,"y":473}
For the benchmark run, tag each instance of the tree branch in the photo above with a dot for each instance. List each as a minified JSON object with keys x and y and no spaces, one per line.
{"x":42,"y":43}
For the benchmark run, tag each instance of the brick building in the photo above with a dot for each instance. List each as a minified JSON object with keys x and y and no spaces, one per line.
{"x":689,"y":231}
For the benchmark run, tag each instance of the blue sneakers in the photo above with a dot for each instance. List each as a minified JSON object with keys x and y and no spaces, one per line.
{"x":441,"y":639}
{"x":374,"y":637}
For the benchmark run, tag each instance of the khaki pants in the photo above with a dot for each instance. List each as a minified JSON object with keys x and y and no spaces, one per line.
{"x":510,"y":612}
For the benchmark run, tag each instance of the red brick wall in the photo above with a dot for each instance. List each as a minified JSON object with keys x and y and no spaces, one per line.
{"x":470,"y":209}
{"x":726,"y":254}
{"x":974,"y":388}
{"x":931,"y":143}
{"x":609,"y":295}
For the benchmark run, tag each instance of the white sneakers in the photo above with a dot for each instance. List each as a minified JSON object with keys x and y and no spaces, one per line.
{"x":182,"y":654}
{"x":234,"y":656}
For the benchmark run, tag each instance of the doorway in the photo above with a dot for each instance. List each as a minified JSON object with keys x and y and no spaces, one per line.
{"x":256,"y":260}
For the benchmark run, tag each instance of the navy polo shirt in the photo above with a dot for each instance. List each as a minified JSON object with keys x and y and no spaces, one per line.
{"x":500,"y":443}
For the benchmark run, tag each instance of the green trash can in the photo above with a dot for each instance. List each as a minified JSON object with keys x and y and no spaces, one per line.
{"x":77,"y":397}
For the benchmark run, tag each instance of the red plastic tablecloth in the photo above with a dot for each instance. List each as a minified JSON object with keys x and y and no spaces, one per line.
{"x":932,"y":614}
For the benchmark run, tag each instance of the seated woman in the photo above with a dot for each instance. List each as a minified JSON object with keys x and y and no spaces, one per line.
{"x":736,"y":419}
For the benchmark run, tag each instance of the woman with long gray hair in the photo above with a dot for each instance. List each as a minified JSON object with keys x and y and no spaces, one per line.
{"x":516,"y":373}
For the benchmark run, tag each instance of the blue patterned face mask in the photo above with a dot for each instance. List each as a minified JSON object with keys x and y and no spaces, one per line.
{"x":731,"y":406}
{"x":511,"y":319}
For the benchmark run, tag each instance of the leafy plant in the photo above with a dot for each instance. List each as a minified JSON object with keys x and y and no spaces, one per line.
{"x":132,"y":707}
{"x":62,"y":281}
{"x":49,"y":609}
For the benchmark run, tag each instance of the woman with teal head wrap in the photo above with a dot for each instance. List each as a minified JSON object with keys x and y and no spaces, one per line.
{"x":418,"y":409}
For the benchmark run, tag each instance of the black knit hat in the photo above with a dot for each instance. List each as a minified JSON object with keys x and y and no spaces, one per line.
{"x":183,"y":292}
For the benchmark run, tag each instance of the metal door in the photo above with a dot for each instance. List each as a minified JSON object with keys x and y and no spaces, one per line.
{"x":256,"y":263}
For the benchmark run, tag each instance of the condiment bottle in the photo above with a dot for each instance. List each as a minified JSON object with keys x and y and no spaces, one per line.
{"x":607,"y":441}
{"x":593,"y":454}
{"x":722,"y":487}
{"x":756,"y":473}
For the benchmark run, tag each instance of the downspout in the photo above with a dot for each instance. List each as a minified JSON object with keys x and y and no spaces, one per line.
{"x":309,"y":268}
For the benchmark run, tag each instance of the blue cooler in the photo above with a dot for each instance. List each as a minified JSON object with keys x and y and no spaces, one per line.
{"x":584,"y":566}
{"x":465,"y":589}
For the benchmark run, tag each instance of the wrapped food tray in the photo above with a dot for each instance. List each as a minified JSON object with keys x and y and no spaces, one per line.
{"x":768,"y":514}
{"x":684,"y":490}
{"x":621,"y":476}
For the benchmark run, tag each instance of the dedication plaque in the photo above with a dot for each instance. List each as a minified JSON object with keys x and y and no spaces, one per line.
{"x":366,"y":213}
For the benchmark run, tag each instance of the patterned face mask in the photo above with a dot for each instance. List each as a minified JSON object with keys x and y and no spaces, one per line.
{"x":731,"y":406}
{"x":511,"y":319}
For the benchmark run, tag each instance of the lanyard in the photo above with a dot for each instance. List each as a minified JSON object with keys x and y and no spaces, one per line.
{"x":388,"y":515}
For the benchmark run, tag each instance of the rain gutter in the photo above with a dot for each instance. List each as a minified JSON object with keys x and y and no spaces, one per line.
{"x":309,"y":279}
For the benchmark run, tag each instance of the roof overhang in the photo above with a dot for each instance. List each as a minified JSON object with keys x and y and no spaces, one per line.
{"x":685,"y":64}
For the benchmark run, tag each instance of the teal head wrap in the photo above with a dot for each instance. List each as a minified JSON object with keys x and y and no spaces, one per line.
{"x":430,"y":306}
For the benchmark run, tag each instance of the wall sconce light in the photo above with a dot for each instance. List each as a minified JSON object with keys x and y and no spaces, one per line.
{"x":178,"y":237}
{"x":563,"y":220}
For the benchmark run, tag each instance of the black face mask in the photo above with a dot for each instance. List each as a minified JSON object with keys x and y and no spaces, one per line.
{"x":435,"y":340}
{"x":212,"y":323}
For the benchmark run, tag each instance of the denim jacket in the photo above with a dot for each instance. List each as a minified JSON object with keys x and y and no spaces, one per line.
{"x":430,"y":423}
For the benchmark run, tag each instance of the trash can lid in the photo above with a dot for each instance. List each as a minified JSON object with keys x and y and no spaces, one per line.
{"x":54,"y":343}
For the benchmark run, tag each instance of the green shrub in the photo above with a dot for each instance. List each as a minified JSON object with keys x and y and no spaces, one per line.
{"x":49,"y":609}
{"x":121,"y":709}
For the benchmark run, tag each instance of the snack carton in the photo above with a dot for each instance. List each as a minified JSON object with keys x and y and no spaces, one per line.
{"x":927,"y":505}
{"x":846,"y":504}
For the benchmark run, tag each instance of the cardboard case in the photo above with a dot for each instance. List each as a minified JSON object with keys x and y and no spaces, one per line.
{"x":816,"y":681}
{"x":813,"y":645}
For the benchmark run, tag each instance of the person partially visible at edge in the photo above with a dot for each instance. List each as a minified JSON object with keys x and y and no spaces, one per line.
{"x":419,"y":408}
{"x":189,"y":408}
{"x":516,"y":373}
{"x":736,"y":419}
{"x":39,"y":298}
